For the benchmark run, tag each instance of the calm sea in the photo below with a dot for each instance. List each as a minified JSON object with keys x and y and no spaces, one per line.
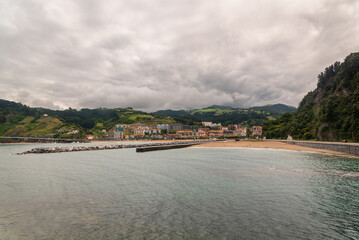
{"x":192,"y":193}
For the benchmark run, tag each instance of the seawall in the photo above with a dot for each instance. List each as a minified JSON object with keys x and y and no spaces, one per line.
{"x":349,"y":148}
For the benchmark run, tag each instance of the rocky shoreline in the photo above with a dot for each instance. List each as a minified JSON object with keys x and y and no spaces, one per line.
{"x":41,"y":150}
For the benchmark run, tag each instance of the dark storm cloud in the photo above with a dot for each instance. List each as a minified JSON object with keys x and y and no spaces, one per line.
{"x":169,"y":54}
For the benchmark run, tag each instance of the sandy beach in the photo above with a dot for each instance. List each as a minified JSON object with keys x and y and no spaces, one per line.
{"x":266,"y":144}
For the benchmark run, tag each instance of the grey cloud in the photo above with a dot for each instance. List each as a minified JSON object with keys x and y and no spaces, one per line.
{"x":169,"y":54}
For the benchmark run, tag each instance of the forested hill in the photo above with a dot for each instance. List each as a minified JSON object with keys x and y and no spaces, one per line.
{"x":276,"y":108}
{"x":17,"y":119}
{"x":330,"y":112}
{"x":229,"y":115}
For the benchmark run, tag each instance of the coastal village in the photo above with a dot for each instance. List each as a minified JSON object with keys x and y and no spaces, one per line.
{"x":178,"y":131}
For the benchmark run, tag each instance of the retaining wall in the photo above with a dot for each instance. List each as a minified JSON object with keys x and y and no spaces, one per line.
{"x":350,"y":148}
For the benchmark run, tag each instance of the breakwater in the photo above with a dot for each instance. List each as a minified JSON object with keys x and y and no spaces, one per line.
{"x":349,"y":148}
{"x":167,"y":145}
{"x":164,"y":147}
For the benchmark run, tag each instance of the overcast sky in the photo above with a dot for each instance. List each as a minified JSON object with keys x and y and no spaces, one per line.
{"x":165,"y":54}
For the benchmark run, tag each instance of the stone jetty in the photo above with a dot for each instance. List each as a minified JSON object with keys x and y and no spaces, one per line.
{"x":40,"y":150}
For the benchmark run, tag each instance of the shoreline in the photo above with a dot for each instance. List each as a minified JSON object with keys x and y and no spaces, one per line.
{"x":266,"y":144}
{"x":254,"y":144}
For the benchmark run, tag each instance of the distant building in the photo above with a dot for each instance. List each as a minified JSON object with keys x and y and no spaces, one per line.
{"x":232,"y":127}
{"x":241,"y":131}
{"x":211,"y":124}
{"x":91,"y":137}
{"x":69,"y":132}
{"x":201,"y":133}
{"x":227,"y":133}
{"x":185,"y":134}
{"x":256,"y":130}
{"x":146,"y":129}
{"x":119,"y":128}
{"x":158,"y":136}
{"x":155,"y":131}
{"x":117,"y":134}
{"x":173,"y":136}
{"x":176,"y":127}
{"x":164,"y":126}
{"x":139,"y":132}
{"x":207,"y":124}
{"x":189,"y":127}
{"x":215,"y":133}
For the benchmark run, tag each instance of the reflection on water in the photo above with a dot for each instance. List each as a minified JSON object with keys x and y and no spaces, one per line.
{"x":193,"y":193}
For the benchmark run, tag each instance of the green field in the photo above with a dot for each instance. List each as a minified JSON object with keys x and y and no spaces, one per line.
{"x":35,"y":128}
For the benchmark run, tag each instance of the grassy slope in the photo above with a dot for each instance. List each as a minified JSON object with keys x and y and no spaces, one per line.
{"x":35,"y":128}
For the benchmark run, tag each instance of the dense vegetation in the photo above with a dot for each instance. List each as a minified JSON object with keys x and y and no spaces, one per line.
{"x":17,"y":119}
{"x":330,"y":112}
{"x":228,"y":115}
{"x":12,"y":113}
{"x":276,"y":109}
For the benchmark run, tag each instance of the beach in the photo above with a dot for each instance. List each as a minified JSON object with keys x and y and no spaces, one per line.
{"x":266,"y":144}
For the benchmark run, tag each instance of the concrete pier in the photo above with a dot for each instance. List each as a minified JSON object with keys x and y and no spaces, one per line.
{"x":156,"y":148}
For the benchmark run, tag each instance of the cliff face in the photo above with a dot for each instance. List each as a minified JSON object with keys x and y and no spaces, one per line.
{"x":331,"y":111}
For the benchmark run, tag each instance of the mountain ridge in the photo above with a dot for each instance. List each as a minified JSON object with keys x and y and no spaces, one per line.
{"x":230,"y":115}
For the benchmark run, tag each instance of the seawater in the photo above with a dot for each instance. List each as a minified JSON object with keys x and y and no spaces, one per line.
{"x":191,"y":193}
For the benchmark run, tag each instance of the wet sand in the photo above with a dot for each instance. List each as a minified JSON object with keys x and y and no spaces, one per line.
{"x":266,"y":144}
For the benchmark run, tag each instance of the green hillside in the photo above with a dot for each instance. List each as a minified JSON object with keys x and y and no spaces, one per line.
{"x":219,"y":107}
{"x":228,"y":115}
{"x":17,"y":119}
{"x":330,"y":112}
{"x":276,"y":108}
{"x":29,"y":126}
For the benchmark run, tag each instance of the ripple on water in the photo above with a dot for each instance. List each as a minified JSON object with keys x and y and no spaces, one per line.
{"x":197,"y":193}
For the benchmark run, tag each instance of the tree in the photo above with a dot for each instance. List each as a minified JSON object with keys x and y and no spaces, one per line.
{"x":249,"y":132}
{"x":2,"y":119}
